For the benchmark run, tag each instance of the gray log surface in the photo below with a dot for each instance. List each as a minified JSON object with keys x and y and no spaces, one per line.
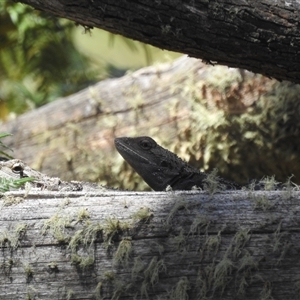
{"x":150,"y":245}
{"x":260,"y":36}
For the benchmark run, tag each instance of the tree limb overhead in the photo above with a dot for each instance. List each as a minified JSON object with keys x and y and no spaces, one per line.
{"x":260,"y":36}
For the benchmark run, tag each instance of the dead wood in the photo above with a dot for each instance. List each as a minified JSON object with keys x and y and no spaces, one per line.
{"x":260,"y":36}
{"x":183,"y":245}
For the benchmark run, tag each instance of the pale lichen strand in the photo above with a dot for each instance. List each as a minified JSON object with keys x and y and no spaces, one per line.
{"x":151,"y":275}
{"x":180,"y":204}
{"x":11,"y":239}
{"x":180,"y":292}
{"x":123,"y":252}
{"x":211,"y":183}
{"x":9,"y":200}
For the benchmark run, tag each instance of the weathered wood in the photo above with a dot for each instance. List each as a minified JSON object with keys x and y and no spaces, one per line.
{"x":261,"y":36}
{"x":175,"y":245}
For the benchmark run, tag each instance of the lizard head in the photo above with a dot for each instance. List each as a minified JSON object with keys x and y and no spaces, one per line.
{"x":156,"y":165}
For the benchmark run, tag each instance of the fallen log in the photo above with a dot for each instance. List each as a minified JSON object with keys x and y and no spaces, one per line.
{"x":72,"y":138}
{"x":150,"y":245}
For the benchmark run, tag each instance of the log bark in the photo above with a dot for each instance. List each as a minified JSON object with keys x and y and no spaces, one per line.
{"x":260,"y":36}
{"x":175,"y":245}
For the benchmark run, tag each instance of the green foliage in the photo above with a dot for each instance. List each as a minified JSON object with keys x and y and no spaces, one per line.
{"x":9,"y":184}
{"x":38,"y":61}
{"x":3,"y":146}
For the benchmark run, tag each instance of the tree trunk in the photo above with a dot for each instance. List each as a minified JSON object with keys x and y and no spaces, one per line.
{"x":260,"y":36}
{"x":125,"y":245}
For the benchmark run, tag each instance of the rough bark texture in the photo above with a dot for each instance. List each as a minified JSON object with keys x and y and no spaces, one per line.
{"x":184,"y":245}
{"x":261,"y":36}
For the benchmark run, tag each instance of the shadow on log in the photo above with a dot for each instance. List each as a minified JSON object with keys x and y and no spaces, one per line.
{"x":175,"y":245}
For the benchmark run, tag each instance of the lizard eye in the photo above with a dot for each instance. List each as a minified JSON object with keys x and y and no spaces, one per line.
{"x":146,"y":144}
{"x":18,"y":169}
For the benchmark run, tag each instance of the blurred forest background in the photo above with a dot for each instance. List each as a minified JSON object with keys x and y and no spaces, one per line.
{"x":43,"y":57}
{"x":246,"y":125}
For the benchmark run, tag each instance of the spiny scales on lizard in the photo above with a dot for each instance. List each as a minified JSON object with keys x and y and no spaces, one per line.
{"x":161,"y":168}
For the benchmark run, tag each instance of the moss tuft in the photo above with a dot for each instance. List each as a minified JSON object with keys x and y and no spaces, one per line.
{"x":143,"y":214}
{"x":123,"y":252}
{"x":180,"y":291}
{"x":212,"y":184}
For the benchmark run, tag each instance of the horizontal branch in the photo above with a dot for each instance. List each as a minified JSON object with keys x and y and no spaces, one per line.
{"x":123,"y":244}
{"x":260,"y":36}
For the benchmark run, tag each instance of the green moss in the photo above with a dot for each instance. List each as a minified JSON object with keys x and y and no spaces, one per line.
{"x":9,"y":200}
{"x":247,"y":263}
{"x":109,"y":276}
{"x":120,"y":288}
{"x":12,"y":239}
{"x":28,"y":272}
{"x":222,"y":79}
{"x":205,"y":281}
{"x":211,"y":246}
{"x":154,"y":268}
{"x":70,"y":294}
{"x":82,"y":215}
{"x":239,"y":241}
{"x":4,"y":239}
{"x":243,"y":283}
{"x":85,"y":236}
{"x":269,"y":183}
{"x":288,"y":188}
{"x":180,"y":241}
{"x":180,"y":204}
{"x":98,"y":291}
{"x":138,"y":267}
{"x":112,"y":227}
{"x":221,"y":276}
{"x":123,"y":252}
{"x":143,"y":214}
{"x":53,"y":266}
{"x":262,"y":203}
{"x":65,"y":203}
{"x":199,"y":222}
{"x":180,"y":291}
{"x":31,"y":293}
{"x":266,"y":293}
{"x":56,"y":226}
{"x":82,"y":262}
{"x":76,"y":240}
{"x":212,"y":184}
{"x":6,"y":266}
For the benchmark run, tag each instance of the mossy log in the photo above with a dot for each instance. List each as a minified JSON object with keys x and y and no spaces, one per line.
{"x":261,"y":36}
{"x":150,"y":245}
{"x":210,"y":116}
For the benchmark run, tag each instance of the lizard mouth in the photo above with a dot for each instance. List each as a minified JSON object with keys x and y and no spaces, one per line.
{"x":128,"y":153}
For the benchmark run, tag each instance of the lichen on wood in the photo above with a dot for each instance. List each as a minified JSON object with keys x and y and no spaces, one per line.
{"x":181,"y":244}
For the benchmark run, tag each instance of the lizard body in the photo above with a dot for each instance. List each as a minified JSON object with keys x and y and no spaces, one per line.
{"x":17,"y":169}
{"x":160,"y":167}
